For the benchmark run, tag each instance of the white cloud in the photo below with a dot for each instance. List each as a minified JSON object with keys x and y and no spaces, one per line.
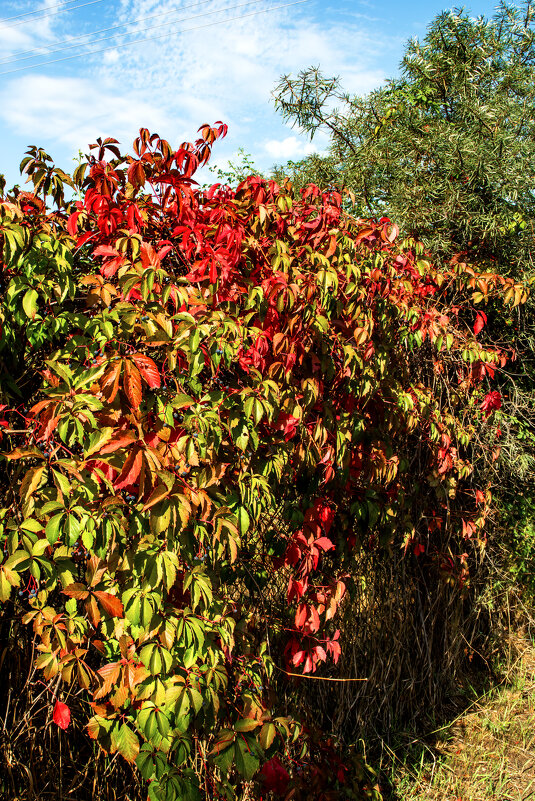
{"x":13,"y":39}
{"x":289,"y":148}
{"x":111,"y":57}
{"x":239,"y":62}
{"x":24,"y":33}
{"x":172,"y":85}
{"x":73,"y":111}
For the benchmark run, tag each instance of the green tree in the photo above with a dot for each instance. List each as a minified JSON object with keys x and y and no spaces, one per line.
{"x":447,"y":150}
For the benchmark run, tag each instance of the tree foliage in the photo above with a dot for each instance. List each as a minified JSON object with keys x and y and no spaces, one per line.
{"x":212,"y":400}
{"x":447,"y":149}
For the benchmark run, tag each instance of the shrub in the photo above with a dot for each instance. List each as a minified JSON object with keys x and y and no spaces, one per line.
{"x":213,"y":400}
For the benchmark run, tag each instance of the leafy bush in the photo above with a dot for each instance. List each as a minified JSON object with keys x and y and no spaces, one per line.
{"x":213,"y":400}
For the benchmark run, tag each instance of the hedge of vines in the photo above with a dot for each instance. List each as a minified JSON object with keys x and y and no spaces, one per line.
{"x":212,"y":399}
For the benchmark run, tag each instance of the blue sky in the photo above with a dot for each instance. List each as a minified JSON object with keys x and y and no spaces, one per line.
{"x":184,"y":78}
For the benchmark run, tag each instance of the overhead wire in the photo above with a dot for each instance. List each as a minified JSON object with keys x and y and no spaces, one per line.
{"x":41,"y":15}
{"x":27,"y":13}
{"x":35,"y":51}
{"x":132,"y":33}
{"x":162,"y":36}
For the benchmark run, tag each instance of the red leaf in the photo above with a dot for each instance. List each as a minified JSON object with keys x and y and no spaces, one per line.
{"x":326,"y":515}
{"x":301,"y":615}
{"x":491,"y":401}
{"x":124,"y":440}
{"x":110,"y":603}
{"x":131,"y":470}
{"x":72,"y":224}
{"x":113,"y":260}
{"x":132,"y":384}
{"x":85,"y":238}
{"x":136,"y":174}
{"x":213,"y":271}
{"x":274,"y":777}
{"x":148,"y":369}
{"x":288,"y":424}
{"x":105,"y":250}
{"x":295,"y":588}
{"x":164,"y":251}
{"x":61,"y":715}
{"x":480,"y":322}
{"x":324,"y":543}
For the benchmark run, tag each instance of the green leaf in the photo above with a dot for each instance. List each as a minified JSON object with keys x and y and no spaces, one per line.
{"x":147,"y":721}
{"x":53,"y":528}
{"x":97,"y":439}
{"x":247,"y":724}
{"x":196,"y":699}
{"x":247,"y":763}
{"x":244,"y":521}
{"x":126,"y":743}
{"x":29,"y":303}
{"x":16,"y":559}
{"x":5,"y":587}
{"x":224,"y":760}
{"x":267,"y":735}
{"x":145,"y":763}
{"x":40,"y":547}
{"x":31,"y":525}
{"x":62,"y":483}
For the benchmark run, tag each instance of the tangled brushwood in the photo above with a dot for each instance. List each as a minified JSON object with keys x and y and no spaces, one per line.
{"x":216,"y":403}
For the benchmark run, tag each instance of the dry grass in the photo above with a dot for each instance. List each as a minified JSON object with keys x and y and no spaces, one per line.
{"x":487,"y":754}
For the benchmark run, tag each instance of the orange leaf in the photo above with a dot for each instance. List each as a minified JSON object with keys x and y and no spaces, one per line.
{"x":124,"y":440}
{"x":107,"y":251}
{"x":109,"y":383}
{"x":78,"y":591}
{"x":131,"y":470}
{"x":95,"y":570}
{"x":136,"y":174}
{"x":159,"y":493}
{"x":109,"y":675}
{"x":92,"y":610}
{"x":48,"y":423}
{"x":148,"y":369}
{"x":149,"y":257}
{"x":132,"y":383}
{"x":110,"y":603}
{"x":331,"y":250}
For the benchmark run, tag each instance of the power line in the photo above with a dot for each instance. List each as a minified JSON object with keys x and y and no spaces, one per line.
{"x":132,"y":33}
{"x":50,"y":13}
{"x":27,"y":13}
{"x":154,"y":38}
{"x":37,"y":50}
